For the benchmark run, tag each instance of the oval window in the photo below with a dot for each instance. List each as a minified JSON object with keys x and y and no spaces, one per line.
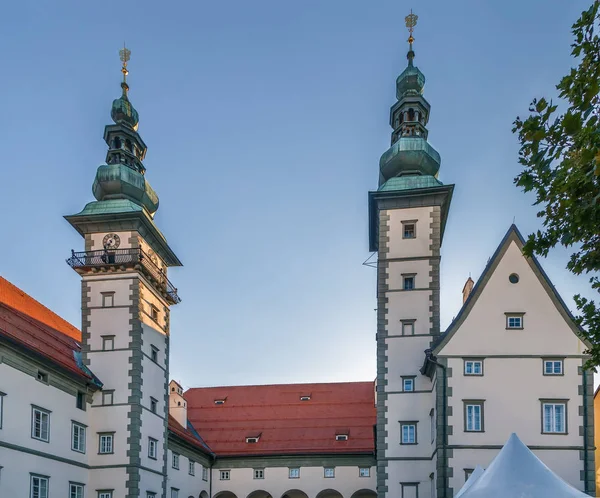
{"x":513,"y":278}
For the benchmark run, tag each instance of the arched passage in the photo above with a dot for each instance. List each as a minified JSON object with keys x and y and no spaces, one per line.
{"x":259,"y":493}
{"x":294,"y":493}
{"x":329,"y":493}
{"x":222,"y":494}
{"x":365,"y":493}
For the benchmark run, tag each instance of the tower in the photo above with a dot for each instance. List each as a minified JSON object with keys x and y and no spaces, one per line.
{"x":407,"y":216}
{"x":126,"y":297}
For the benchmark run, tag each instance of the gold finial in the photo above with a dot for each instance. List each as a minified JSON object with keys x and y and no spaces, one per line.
{"x":411,"y":22}
{"x":124,"y":55}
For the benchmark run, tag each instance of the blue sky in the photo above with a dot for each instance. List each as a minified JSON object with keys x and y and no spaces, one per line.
{"x":265,"y":121}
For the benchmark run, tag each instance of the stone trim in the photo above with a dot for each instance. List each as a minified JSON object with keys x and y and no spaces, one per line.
{"x":586,"y":430}
{"x":166,"y":409}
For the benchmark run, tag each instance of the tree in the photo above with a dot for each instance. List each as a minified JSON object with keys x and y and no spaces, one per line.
{"x":561,"y":158}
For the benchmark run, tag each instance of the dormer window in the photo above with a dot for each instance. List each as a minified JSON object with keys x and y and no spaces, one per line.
{"x":220,"y":401}
{"x":341,"y":437}
{"x":305,"y":397}
{"x":252,"y":440}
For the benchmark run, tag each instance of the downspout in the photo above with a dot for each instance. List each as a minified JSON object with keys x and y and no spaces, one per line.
{"x":211,"y":478}
{"x":430,"y":359}
{"x":585,"y":434}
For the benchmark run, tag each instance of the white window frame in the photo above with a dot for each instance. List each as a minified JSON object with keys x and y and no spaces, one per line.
{"x":364,"y":472}
{"x":294,"y":473}
{"x":514,"y":325}
{"x":108,"y":299}
{"x":174,"y":493}
{"x":152,"y":448}
{"x":408,"y":327}
{"x":81,"y":431}
{"x":44,"y":420}
{"x":553,"y":364}
{"x":408,"y":384}
{"x":329,"y":472}
{"x":108,"y":395}
{"x":259,"y":473}
{"x":108,"y":343}
{"x":76,"y":490}
{"x":105,"y":494}
{"x":150,"y":494}
{"x":204,"y":473}
{"x":175,"y":460}
{"x":553,"y":427}
{"x":43,"y":486}
{"x":406,"y":437}
{"x":106,"y":441}
{"x":224,"y":475}
{"x":191,"y":467}
{"x":471,"y":368}
{"x":473,"y":416}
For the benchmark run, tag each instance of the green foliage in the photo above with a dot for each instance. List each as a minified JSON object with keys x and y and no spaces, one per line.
{"x":561,"y":158}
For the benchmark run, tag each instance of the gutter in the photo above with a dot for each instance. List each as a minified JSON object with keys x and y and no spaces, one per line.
{"x":585,"y":434}
{"x":429,"y":358}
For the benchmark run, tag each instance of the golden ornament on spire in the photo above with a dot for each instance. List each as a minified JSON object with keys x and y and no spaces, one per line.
{"x":411,"y":22}
{"x":124,"y":55}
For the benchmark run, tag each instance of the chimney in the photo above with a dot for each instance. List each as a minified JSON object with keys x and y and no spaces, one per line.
{"x":177,"y":403}
{"x":467,"y":289}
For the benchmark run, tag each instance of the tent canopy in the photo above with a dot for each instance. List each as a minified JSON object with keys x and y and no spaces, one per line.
{"x":476,"y":474}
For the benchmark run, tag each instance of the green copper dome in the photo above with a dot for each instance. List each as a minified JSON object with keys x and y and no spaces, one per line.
{"x":410,"y":82}
{"x":123,"y":112}
{"x":410,"y":155}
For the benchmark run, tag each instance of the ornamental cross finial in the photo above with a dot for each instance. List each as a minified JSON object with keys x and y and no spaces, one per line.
{"x":411,"y":22}
{"x":124,"y":55}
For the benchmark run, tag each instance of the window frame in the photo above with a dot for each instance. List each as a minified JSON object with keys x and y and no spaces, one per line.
{"x":1,"y":408}
{"x":153,"y":404}
{"x":80,"y":427}
{"x":154,"y":313}
{"x":406,"y":277}
{"x":154,"y":353}
{"x":105,"y":493}
{"x":108,"y":339}
{"x":153,"y":443}
{"x":561,"y":361}
{"x":364,"y":474}
{"x":468,"y":473}
{"x":174,"y":492}
{"x":41,"y":478}
{"x":411,"y":379}
{"x":258,"y":473}
{"x":110,"y":435}
{"x":204,"y":473}
{"x":432,"y":425}
{"x":224,"y":475}
{"x":175,"y":460}
{"x":191,"y":467}
{"x":325,"y":471}
{"x":408,"y":223}
{"x":78,"y":485}
{"x":408,"y":323}
{"x":108,"y":297}
{"x":515,"y":314}
{"x":292,"y":470}
{"x":42,"y":411}
{"x":80,"y":400}
{"x":473,"y":361}
{"x":106,"y":394}
{"x":408,"y":423}
{"x":554,"y":402}
{"x":475,"y":403}
{"x":414,"y":485}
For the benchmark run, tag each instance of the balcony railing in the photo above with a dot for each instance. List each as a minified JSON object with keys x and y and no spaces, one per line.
{"x":86,"y":260}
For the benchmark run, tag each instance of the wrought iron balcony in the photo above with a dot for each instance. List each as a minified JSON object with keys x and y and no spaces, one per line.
{"x":123,"y":259}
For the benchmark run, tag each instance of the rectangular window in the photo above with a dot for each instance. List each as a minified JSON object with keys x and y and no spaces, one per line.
{"x":410,"y":490}
{"x":192,"y":468}
{"x":150,"y":494}
{"x":175,"y":461}
{"x":555,"y":417}
{"x":553,"y":367}
{"x":408,"y":431}
{"x":174,"y":493}
{"x":473,"y":416}
{"x":105,"y":444}
{"x":153,"y":405}
{"x":329,"y":472}
{"x":514,"y":320}
{"x":75,"y":490}
{"x":409,"y":229}
{"x":154,"y":353}
{"x":38,"y":487}
{"x":40,"y":424}
{"x":432,"y":425}
{"x":107,"y":397}
{"x":78,"y":437}
{"x":259,"y":473}
{"x":364,"y":472}
{"x":108,"y":342}
{"x":408,"y":282}
{"x":468,"y":473}
{"x":473,"y":367}
{"x":154,"y":313}
{"x":105,"y":494}
{"x":204,"y":473}
{"x":152,"y":448}
{"x":108,"y":299}
{"x":408,"y":384}
{"x":224,"y":475}
{"x":294,"y":473}
{"x":80,"y":401}
{"x":408,"y":327}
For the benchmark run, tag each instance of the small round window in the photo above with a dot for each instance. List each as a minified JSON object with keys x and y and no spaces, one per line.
{"x":513,"y":278}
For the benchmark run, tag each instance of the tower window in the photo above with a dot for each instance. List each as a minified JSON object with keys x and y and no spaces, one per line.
{"x":154,"y":313}
{"x":128,"y":145}
{"x":408,"y":327}
{"x":117,"y":143}
{"x":107,"y":397}
{"x":411,"y":114}
{"x":408,"y":282}
{"x":153,"y":405}
{"x":108,"y":299}
{"x":409,"y":229}
{"x":108,"y":342}
{"x":154,"y":354}
{"x":408,"y":384}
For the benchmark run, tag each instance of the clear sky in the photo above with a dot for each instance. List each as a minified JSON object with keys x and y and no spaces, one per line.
{"x":265,"y":121}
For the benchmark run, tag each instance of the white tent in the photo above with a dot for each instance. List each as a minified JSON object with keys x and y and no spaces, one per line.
{"x":517,"y":473}
{"x":476,"y":474}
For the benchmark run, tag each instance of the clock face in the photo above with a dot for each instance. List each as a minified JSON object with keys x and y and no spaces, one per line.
{"x":111,"y":241}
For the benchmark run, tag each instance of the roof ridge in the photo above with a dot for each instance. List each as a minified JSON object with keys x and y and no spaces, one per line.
{"x":299,"y":384}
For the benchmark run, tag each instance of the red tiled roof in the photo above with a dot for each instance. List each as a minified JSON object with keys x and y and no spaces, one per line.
{"x":187,"y":435}
{"x":285,"y":424}
{"x":15,"y":298}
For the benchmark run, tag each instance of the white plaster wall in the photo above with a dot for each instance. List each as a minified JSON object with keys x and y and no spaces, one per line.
{"x":152,"y":482}
{"x":484,"y":330}
{"x":277,"y":481}
{"x":410,"y":349}
{"x":149,"y":298}
{"x":407,"y":248}
{"x":512,"y":389}
{"x":420,"y":267}
{"x":181,"y":479}
{"x":117,"y":283}
{"x":109,"y":419}
{"x":409,"y":471}
{"x":107,"y":479}
{"x":409,"y":407}
{"x":408,"y":305}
